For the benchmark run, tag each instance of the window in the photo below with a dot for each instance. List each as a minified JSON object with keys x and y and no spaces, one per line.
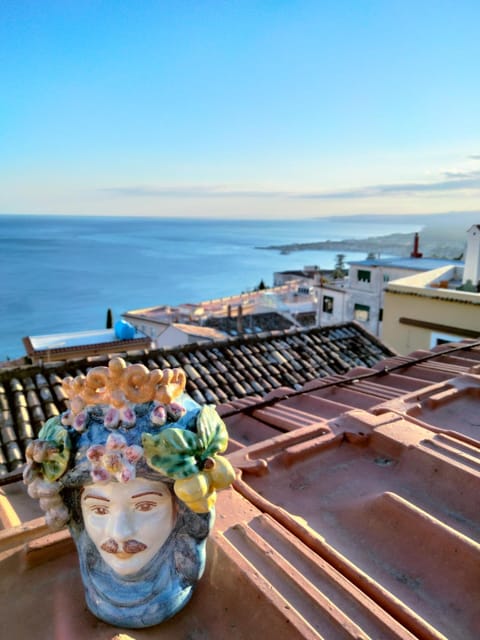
{"x":380,"y":315}
{"x":361,"y":313}
{"x":363,"y":275}
{"x":306,"y":291}
{"x":327,"y":304}
{"x":442,"y":338}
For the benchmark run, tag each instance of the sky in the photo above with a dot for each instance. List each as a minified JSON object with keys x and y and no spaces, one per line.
{"x":239,"y":108}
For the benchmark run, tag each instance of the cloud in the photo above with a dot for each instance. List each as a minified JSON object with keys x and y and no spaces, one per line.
{"x":453,"y":181}
{"x":190,"y":191}
{"x":475,"y":157}
{"x":457,"y":174}
{"x":450,"y":181}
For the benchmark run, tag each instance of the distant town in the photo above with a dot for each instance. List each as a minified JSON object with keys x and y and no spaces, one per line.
{"x":415,"y":300}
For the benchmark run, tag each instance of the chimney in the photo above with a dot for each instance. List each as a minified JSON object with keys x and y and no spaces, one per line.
{"x":240,"y":319}
{"x":416,"y":253}
{"x":471,"y":270}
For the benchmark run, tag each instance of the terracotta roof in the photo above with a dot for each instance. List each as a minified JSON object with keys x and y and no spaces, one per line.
{"x":85,"y":349}
{"x":306,"y":318}
{"x":378,"y":474}
{"x":216,"y":373}
{"x":355,"y":516}
{"x":197,"y":331}
{"x":252,"y":322}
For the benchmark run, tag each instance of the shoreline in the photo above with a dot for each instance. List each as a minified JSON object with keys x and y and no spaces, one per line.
{"x":433,"y":244}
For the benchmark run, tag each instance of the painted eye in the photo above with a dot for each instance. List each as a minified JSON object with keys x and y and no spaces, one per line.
{"x":99,"y":510}
{"x":145,"y":505}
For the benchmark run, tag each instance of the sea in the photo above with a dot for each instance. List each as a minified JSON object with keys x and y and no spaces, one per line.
{"x":62,"y":273}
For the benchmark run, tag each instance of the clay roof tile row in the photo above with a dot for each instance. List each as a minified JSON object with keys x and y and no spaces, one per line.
{"x":216,"y":373}
{"x":377,"y":472}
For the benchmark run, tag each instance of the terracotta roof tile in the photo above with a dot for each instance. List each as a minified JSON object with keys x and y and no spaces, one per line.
{"x":236,"y":368}
{"x":366,"y":470}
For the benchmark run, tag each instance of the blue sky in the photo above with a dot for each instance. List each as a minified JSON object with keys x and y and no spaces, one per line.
{"x":239,"y":108}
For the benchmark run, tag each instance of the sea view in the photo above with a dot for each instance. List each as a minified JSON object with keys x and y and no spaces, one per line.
{"x":61,"y":274}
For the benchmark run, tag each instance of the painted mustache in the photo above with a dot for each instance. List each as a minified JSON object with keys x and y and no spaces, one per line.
{"x":130,"y":546}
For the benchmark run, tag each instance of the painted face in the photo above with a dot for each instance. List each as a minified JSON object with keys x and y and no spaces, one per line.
{"x":128,"y":523}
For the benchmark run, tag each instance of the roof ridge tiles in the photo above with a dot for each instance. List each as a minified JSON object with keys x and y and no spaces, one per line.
{"x":278,"y":358}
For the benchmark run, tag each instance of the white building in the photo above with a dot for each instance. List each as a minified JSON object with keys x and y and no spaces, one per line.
{"x":369,"y":278}
{"x":359,"y":297}
{"x":178,"y":334}
{"x":471,"y":271}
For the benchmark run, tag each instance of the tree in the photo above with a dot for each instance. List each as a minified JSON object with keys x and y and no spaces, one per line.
{"x":340,"y":270}
{"x":109,"y":324}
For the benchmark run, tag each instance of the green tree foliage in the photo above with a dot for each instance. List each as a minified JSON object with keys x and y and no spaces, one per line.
{"x":340,"y":270}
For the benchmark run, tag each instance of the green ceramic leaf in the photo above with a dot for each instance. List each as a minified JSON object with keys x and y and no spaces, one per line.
{"x":178,"y":441}
{"x":211,"y":432}
{"x":179,"y":453}
{"x":172,"y":452}
{"x":175,"y":466}
{"x":55,"y":433}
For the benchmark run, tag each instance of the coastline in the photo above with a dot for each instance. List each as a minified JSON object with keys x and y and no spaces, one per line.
{"x":433,"y":244}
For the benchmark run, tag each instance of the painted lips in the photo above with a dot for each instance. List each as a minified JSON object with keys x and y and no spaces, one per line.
{"x":129,"y":547}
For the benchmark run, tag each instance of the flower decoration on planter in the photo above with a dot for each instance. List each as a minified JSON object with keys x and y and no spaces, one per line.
{"x":118,"y":388}
{"x":115,"y":459}
{"x":188,"y":454}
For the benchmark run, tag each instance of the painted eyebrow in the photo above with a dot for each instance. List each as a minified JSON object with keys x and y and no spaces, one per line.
{"x":94,"y":497}
{"x":148,"y":493}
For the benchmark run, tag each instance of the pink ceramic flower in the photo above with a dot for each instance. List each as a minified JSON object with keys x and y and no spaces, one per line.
{"x":175,"y":411}
{"x":128,"y":417}
{"x":115,"y":441}
{"x":67,"y":418}
{"x":80,"y":421}
{"x":133,"y":453}
{"x":111,"y":418}
{"x":95,"y":452}
{"x":159,"y":415}
{"x":115,"y":459}
{"x":76,"y":419}
{"x":99,"y":474}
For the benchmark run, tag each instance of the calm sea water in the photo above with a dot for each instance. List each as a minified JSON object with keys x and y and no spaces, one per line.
{"x":62,"y":273}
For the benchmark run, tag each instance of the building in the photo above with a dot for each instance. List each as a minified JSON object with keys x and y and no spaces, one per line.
{"x":244,"y":312}
{"x":437,"y":306}
{"x":368,"y":279}
{"x":428,"y":309}
{"x":360,"y":296}
{"x":152,"y":321}
{"x":471,"y":272}
{"x":177,"y":334}
{"x":322,"y":300}
{"x":81,"y":344}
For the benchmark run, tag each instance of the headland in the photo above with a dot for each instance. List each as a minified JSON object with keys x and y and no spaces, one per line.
{"x":441,"y":236}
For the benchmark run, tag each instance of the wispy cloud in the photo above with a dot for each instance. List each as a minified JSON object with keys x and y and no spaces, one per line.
{"x":457,"y":174}
{"x":452,"y":181}
{"x":191,"y":191}
{"x":475,"y":157}
{"x":449,"y":181}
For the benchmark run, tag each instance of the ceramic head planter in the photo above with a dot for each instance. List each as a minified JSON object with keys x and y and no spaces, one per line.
{"x":133,"y":468}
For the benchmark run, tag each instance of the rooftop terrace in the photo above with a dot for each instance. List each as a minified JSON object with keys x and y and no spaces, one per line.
{"x":355,"y":515}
